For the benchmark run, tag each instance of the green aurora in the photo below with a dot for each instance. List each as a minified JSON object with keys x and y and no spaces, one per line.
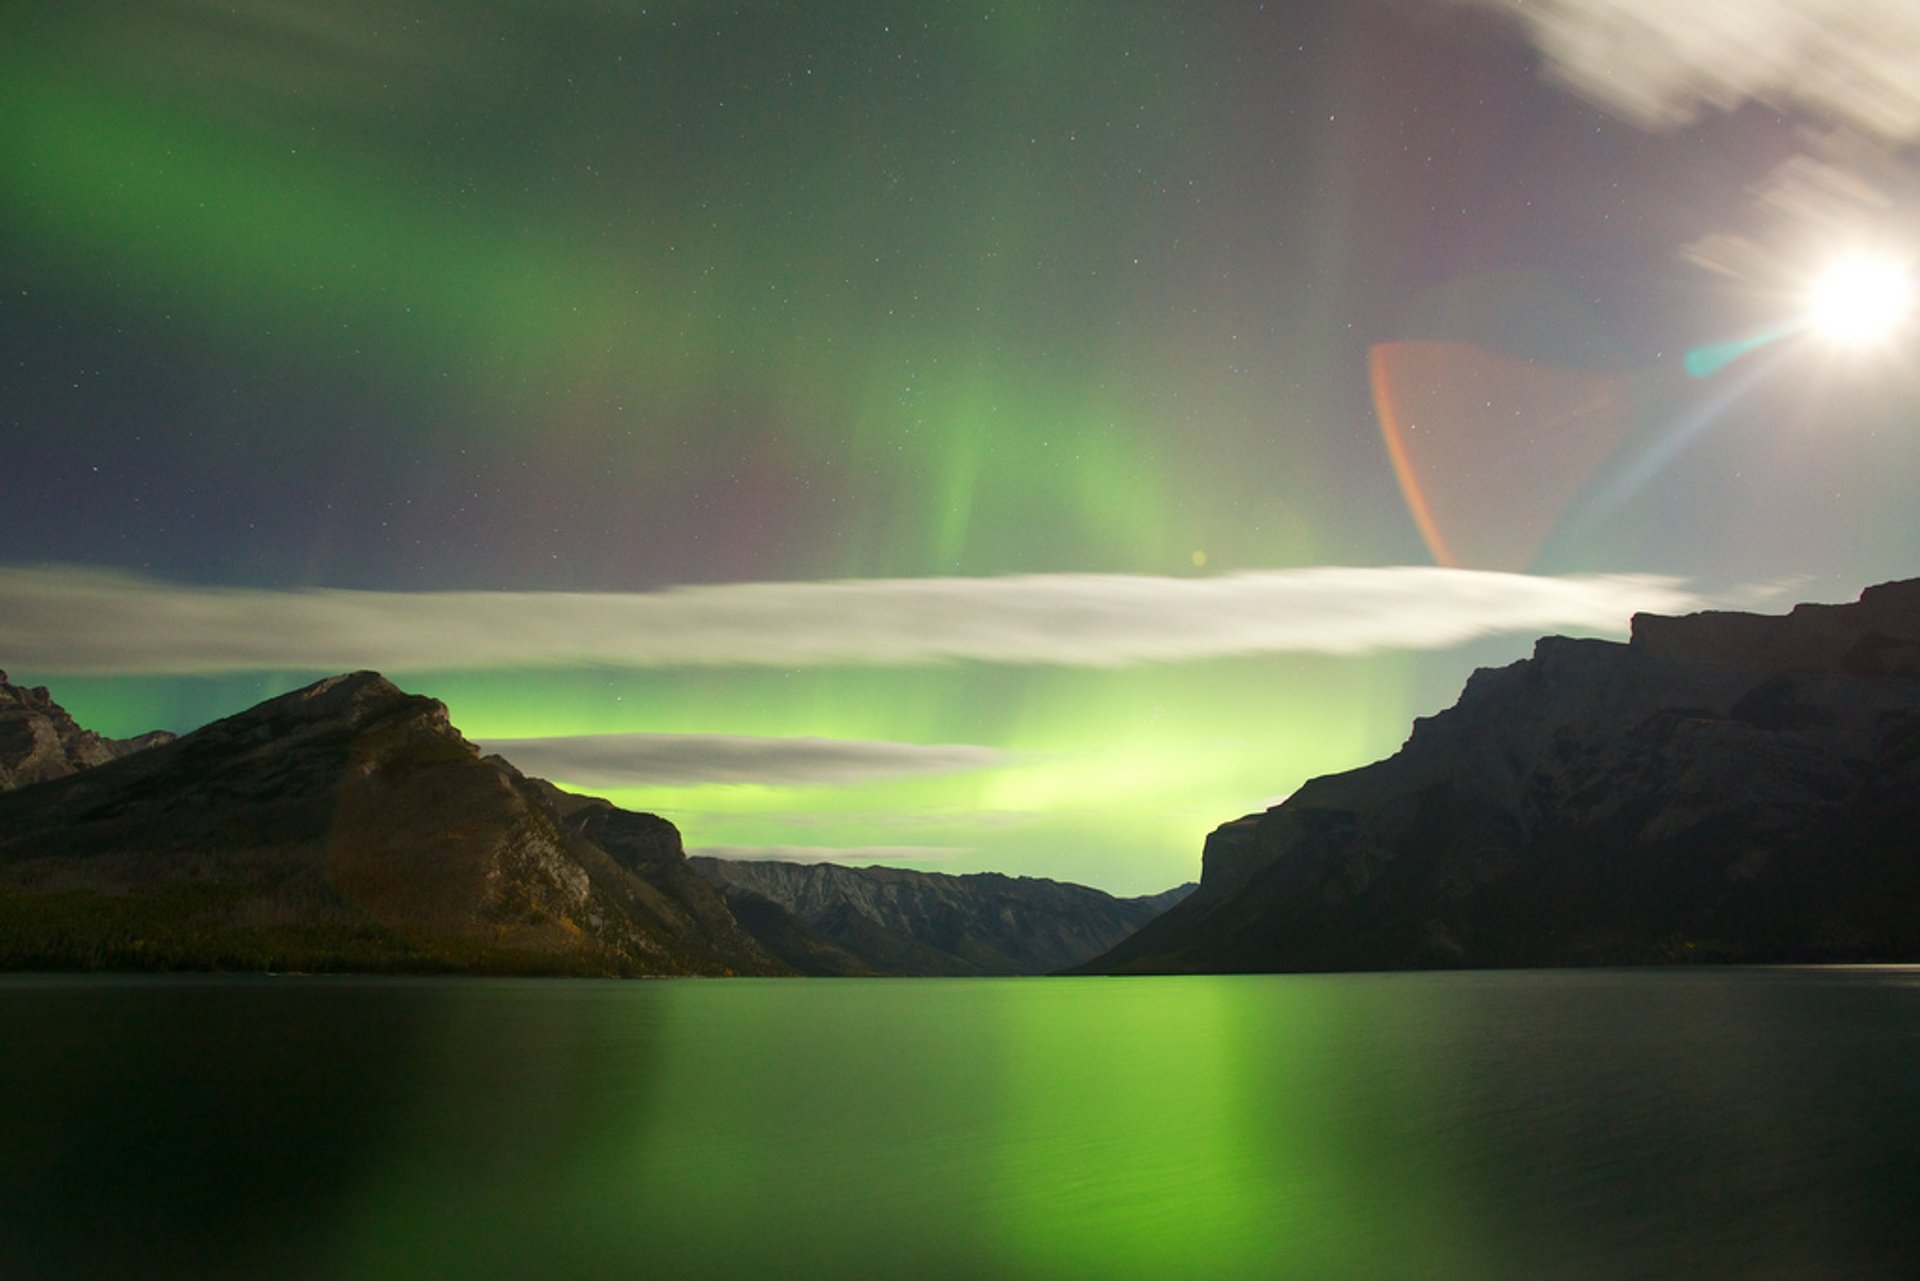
{"x":614,"y":297}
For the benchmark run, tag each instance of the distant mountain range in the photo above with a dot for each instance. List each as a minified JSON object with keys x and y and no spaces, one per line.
{"x":349,"y":826}
{"x":891,"y":921}
{"x":1723,"y":787}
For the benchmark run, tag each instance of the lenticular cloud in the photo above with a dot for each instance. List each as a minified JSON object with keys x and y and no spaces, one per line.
{"x":631,"y":760}
{"x":90,"y":621}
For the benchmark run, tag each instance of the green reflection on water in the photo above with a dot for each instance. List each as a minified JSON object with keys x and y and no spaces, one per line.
{"x":1200,"y":1123}
{"x":1315,"y":1126}
{"x":934,"y":1128}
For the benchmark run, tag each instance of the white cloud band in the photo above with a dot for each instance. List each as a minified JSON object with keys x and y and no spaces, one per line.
{"x":859,"y":855}
{"x":79,"y":621}
{"x":630,"y":760}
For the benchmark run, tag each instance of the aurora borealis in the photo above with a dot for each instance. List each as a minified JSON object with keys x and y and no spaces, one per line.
{"x":935,"y":414}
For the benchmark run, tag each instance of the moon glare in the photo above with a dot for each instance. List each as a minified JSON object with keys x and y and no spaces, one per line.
{"x":1862,"y":299}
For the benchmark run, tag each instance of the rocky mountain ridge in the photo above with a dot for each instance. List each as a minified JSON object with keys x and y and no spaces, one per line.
{"x":39,"y":740}
{"x":892,"y":920}
{"x":1723,"y":786}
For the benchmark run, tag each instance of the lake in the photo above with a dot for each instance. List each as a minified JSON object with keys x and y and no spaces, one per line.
{"x":1586,"y":1124}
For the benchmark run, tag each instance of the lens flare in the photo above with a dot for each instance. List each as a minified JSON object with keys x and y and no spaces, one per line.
{"x":1490,"y":449}
{"x":1862,"y":300}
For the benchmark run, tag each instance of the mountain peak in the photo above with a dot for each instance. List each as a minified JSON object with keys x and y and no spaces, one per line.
{"x":350,"y":698}
{"x":348,"y":824}
{"x":345,"y":689}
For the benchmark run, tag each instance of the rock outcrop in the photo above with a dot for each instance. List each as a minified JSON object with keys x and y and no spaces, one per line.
{"x":39,"y":740}
{"x":346,"y":825}
{"x":1723,"y":787}
{"x":886,"y":920}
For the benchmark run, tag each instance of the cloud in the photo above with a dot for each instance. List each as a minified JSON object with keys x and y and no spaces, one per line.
{"x":1661,"y":63}
{"x":1839,"y":189}
{"x":79,"y":621}
{"x":850,"y":854}
{"x":1841,"y":69}
{"x":630,"y":760}
{"x":935,"y":820}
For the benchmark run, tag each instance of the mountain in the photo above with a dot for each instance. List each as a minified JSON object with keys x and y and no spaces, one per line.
{"x":39,"y":741}
{"x":1722,"y":787}
{"x":346,"y":825}
{"x":886,"y":920}
{"x":349,"y":826}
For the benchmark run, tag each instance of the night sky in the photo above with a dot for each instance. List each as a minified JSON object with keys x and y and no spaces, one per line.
{"x":970,"y":436}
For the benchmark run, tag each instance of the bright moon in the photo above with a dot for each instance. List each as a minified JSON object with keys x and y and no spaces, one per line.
{"x":1862,"y":299}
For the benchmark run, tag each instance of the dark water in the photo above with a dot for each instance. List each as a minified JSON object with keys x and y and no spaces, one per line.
{"x":1537,"y":1125}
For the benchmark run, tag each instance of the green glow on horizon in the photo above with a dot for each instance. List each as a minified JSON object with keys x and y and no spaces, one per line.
{"x":1112,"y":779}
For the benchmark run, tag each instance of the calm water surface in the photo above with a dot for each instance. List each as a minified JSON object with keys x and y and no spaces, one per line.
{"x":1540,"y":1125}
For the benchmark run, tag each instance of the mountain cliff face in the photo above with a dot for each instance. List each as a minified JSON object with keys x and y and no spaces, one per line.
{"x":1723,"y":787}
{"x":892,"y":921}
{"x":39,"y":741}
{"x":346,"y":825}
